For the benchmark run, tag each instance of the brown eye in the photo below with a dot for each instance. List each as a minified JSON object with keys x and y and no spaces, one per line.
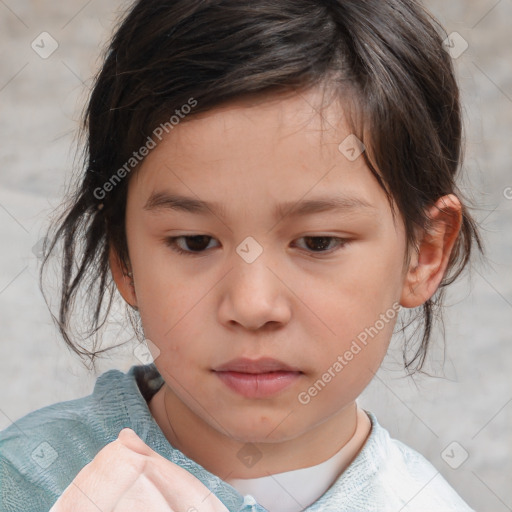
{"x":321,"y":244}
{"x":192,"y":244}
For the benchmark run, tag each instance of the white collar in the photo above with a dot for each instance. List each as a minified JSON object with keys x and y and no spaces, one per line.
{"x":293,"y":491}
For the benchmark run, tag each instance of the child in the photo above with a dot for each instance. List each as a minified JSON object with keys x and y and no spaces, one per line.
{"x":312,"y":146}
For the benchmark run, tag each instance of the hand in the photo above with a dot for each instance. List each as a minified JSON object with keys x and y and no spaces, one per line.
{"x":128,"y":476}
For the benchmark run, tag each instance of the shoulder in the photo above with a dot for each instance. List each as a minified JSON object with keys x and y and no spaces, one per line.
{"x":388,"y":475}
{"x":417,"y":483}
{"x":43,"y":451}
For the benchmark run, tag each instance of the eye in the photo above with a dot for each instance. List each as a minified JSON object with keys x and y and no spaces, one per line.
{"x":194,"y":242}
{"x":197,"y":244}
{"x":320,"y":243}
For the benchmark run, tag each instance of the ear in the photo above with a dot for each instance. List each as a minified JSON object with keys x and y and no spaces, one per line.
{"x":434,"y":246}
{"x":123,"y":280}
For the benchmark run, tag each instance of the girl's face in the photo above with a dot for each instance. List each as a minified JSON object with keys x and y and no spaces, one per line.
{"x":275,"y":280}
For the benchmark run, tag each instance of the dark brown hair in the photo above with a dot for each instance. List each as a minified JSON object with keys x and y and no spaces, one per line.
{"x":388,"y":53}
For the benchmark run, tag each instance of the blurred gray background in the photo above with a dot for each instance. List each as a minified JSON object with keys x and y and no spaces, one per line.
{"x":460,"y":418}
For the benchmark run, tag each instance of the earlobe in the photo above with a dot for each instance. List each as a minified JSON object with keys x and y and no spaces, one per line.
{"x":123,"y":278}
{"x":428,"y":265}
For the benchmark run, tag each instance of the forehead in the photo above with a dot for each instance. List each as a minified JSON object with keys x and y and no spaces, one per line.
{"x":259,"y":151}
{"x":279,"y":122}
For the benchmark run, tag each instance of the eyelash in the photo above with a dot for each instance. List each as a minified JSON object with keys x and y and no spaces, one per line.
{"x":171,"y":242}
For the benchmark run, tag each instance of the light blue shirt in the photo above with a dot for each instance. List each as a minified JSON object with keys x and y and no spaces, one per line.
{"x":42,"y":452}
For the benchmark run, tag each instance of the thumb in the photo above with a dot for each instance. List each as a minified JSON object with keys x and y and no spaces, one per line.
{"x":131,"y":440}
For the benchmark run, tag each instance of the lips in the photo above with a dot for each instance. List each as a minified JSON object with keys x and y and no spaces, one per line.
{"x":263,"y":365}
{"x":259,"y":378}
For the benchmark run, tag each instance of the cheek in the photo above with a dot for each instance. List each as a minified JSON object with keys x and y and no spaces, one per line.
{"x":359,"y":307}
{"x":344,"y":371}
{"x":174,"y":329}
{"x":164,"y":294}
{"x":169,"y":309}
{"x":359,"y":349}
{"x":357,"y":294}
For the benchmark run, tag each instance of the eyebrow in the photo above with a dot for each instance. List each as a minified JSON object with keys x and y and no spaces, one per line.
{"x":162,"y":201}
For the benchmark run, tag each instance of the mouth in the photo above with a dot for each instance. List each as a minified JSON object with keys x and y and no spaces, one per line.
{"x":259,"y":378}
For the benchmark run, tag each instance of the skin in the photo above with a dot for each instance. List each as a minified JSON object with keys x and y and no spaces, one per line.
{"x":293,"y":303}
{"x":128,"y":476}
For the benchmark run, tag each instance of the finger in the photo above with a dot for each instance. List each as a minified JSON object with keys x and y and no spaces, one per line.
{"x":100,"y":484}
{"x":181,"y":488}
{"x":130,"y":439}
{"x":143,"y":495}
{"x":175,"y":483}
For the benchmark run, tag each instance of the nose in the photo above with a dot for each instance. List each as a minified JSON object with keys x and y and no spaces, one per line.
{"x":255,"y":297}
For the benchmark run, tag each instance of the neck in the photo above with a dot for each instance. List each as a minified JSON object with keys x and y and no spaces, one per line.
{"x":219,"y":454}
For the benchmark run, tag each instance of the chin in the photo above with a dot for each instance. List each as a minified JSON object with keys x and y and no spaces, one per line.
{"x":262,"y":428}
